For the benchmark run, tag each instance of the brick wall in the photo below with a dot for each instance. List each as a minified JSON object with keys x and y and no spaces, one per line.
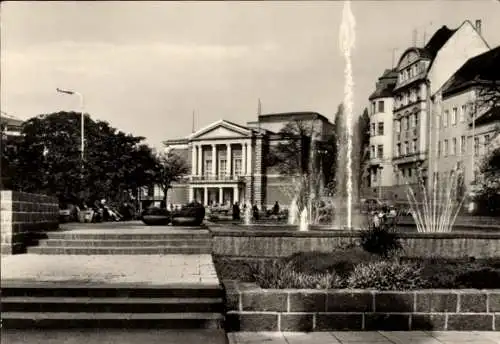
{"x":250,"y":308}
{"x":23,"y":214}
{"x":269,"y":243}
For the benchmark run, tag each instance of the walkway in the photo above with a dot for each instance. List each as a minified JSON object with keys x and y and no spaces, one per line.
{"x":414,"y":337}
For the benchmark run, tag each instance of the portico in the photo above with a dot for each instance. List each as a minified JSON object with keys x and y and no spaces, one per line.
{"x":221,"y":159}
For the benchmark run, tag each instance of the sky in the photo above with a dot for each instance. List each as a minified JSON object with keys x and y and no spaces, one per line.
{"x":146,"y":66}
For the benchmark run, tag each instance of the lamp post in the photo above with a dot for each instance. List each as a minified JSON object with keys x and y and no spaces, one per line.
{"x":82,"y":128}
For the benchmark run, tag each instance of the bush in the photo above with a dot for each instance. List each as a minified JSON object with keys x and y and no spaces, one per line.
{"x":341,"y":261}
{"x":280,"y":275}
{"x":482,"y":278}
{"x":380,"y":241}
{"x":387,"y":275}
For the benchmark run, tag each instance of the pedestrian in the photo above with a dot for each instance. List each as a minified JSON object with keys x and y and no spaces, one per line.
{"x":276,"y":208}
{"x":236,"y":212}
{"x":255,"y":210}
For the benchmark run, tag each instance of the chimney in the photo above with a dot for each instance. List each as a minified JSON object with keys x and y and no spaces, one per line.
{"x":478,"y":26}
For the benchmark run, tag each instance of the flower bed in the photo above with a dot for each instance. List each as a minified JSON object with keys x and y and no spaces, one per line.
{"x":251,"y":308}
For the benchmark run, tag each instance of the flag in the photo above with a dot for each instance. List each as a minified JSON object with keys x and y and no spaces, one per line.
{"x":64,"y":91}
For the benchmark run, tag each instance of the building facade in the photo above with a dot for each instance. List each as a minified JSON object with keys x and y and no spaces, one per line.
{"x":228,"y":162}
{"x":381,"y":129}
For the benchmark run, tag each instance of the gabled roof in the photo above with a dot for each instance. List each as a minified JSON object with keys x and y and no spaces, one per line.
{"x":437,"y":40}
{"x":484,"y":67}
{"x":236,"y":128}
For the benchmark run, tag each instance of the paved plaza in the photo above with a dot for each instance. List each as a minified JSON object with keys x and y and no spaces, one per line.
{"x":352,"y":337}
{"x":110,"y":269}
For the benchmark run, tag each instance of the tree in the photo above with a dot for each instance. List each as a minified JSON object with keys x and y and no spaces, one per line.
{"x":170,"y":168}
{"x":49,"y":159}
{"x":363,"y":132}
{"x":488,"y":181}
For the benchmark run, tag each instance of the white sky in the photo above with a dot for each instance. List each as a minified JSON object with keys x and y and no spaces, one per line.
{"x":144,"y":66}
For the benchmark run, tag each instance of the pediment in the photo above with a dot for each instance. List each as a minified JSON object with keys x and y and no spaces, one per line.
{"x":221,"y":129}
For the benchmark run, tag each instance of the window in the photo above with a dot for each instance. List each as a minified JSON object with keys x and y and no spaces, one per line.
{"x":409,"y":172}
{"x":454,"y":116}
{"x":445,"y":118}
{"x":373,"y":129}
{"x":374,"y":176}
{"x":222,"y":167}
{"x":372,"y":152}
{"x":486,"y":139}
{"x":476,"y":145}
{"x":380,"y":106}
{"x":398,"y":126}
{"x":439,"y":149}
{"x":380,"y":151}
{"x":405,"y":149}
{"x":446,"y":147}
{"x":414,"y":146}
{"x":405,"y":98}
{"x":380,"y":128}
{"x":237,"y":167}
{"x":410,"y":149}
{"x":463,"y":110}
{"x":208,"y":167}
{"x":416,"y":119}
{"x":398,"y":149}
{"x":463,"y":147}
{"x":438,"y":122}
{"x":454,"y":146}
{"x":373,"y":108}
{"x":407,"y":123}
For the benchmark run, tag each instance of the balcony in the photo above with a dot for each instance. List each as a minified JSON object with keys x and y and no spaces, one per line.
{"x":409,"y":157}
{"x":217,"y":178}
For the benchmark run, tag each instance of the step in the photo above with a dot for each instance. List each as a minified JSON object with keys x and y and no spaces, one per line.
{"x":33,"y":320}
{"x":122,"y":243}
{"x":111,"y":305}
{"x":125,"y":236}
{"x":130,"y":290}
{"x":119,"y":250}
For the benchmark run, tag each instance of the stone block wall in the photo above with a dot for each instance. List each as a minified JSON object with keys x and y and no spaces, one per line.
{"x":250,"y":308}
{"x":23,"y":214}
{"x":268,"y":243}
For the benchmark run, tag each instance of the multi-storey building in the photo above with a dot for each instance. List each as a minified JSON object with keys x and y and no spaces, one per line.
{"x":421,"y":72}
{"x":467,"y":122}
{"x":381,"y":135}
{"x":228,"y":161}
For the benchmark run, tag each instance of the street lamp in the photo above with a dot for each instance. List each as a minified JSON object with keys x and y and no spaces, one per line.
{"x":82,"y":128}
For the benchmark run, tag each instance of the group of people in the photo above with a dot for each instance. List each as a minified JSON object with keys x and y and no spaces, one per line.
{"x":255,"y":210}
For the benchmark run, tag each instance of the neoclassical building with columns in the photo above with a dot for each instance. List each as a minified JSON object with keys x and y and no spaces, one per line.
{"x":227,"y":161}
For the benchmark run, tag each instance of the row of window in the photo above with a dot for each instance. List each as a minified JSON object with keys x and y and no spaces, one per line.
{"x":407,"y":148}
{"x":411,"y":72}
{"x":377,"y":106}
{"x":408,"y":97}
{"x":452,"y":147}
{"x":379,"y":153}
{"x":237,"y":167}
{"x":406,"y":122}
{"x":457,"y":114}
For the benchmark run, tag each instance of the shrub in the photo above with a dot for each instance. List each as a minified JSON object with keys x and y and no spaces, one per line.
{"x":341,"y":261}
{"x":280,"y":275}
{"x":482,"y":278}
{"x":380,"y":241}
{"x":386,"y":275}
{"x":233,"y":269}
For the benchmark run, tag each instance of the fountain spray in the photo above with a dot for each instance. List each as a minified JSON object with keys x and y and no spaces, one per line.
{"x":347,"y":39}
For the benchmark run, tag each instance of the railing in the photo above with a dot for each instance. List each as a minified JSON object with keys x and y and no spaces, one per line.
{"x":217,"y":178}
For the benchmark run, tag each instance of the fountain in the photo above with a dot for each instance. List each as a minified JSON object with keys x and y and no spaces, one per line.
{"x":247,"y":215}
{"x":304,"y":222}
{"x":293,"y":212}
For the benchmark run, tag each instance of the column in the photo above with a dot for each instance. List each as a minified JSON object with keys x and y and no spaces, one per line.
{"x":205,"y":195}
{"x":244,"y":158}
{"x":200,"y":160}
{"x":194,"y":168}
{"x":229,"y":160}
{"x":214,"y":160}
{"x":249,"y":159}
{"x":221,"y":195}
{"x":191,"y":194}
{"x":236,"y":194}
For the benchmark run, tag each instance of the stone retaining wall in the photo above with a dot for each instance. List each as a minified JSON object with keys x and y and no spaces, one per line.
{"x":269,"y":243}
{"x":250,"y":308}
{"x":23,"y":214}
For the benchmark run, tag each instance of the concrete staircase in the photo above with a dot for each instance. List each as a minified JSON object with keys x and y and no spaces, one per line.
{"x":170,"y":241}
{"x":52,"y":305}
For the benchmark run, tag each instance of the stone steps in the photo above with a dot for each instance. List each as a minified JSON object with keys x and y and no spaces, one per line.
{"x":123,"y":243}
{"x":153,"y":250}
{"x":54,"y":305}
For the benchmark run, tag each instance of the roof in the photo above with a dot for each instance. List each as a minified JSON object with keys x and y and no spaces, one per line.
{"x":489,"y":116}
{"x":437,"y":41}
{"x":271,"y":117}
{"x":484,"y":67}
{"x":385,"y":84}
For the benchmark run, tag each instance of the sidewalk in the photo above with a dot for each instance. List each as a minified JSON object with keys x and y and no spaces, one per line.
{"x":381,"y":337}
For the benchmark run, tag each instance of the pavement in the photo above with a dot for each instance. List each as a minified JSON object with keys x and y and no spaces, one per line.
{"x":353,"y":337}
{"x":110,"y":269}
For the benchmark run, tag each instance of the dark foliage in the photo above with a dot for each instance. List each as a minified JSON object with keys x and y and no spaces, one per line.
{"x":380,"y":241}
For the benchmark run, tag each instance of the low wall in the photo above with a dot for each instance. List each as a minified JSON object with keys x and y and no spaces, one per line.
{"x":23,"y":214}
{"x":250,"y":308}
{"x":269,"y":243}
